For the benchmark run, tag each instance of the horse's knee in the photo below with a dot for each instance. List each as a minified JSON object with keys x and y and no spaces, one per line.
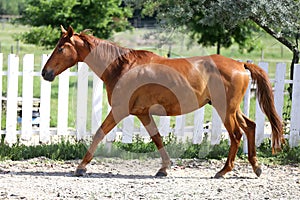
{"x":157,"y":141}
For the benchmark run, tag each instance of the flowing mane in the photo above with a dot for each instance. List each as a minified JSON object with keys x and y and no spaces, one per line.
{"x":110,"y":49}
{"x":113,"y":57}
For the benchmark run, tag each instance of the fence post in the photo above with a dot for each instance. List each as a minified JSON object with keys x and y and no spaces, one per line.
{"x":216,"y":129}
{"x":295,"y":117}
{"x":179,"y":125}
{"x":164,"y":125}
{"x":143,"y":131}
{"x":63,"y":103}
{"x":45,"y":107}
{"x":97,"y":103}
{"x":259,"y":115}
{"x":198,"y":126}
{"x":246,"y":110}
{"x":27,"y":96}
{"x":128,"y":127}
{"x":12,"y":94}
{"x":82,"y":96}
{"x":279,"y":87}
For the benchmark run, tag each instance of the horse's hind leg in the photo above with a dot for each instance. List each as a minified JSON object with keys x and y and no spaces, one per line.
{"x":248,"y":127}
{"x":150,"y":126}
{"x":235,"y":135}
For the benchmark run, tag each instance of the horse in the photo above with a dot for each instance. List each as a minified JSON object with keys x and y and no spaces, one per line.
{"x":144,"y":84}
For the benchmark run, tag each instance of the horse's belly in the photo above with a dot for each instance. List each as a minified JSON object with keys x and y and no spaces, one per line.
{"x":158,"y":100}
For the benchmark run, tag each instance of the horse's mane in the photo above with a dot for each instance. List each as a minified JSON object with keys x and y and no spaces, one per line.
{"x":105,"y":48}
{"x":110,"y":49}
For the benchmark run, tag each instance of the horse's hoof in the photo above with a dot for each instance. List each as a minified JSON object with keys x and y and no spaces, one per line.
{"x":218,"y":175}
{"x":80,"y":172}
{"x":160,"y":174}
{"x":258,"y":171}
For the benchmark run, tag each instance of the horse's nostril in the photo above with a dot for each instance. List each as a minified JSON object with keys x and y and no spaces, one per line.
{"x":43,"y":72}
{"x":48,"y":75}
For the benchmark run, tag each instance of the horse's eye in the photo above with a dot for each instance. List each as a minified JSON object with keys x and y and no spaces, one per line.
{"x":60,"y":49}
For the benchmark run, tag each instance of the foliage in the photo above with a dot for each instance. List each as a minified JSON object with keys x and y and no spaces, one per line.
{"x":103,"y":17}
{"x":290,"y":155}
{"x":40,"y":36}
{"x":137,"y":146}
{"x":189,"y":14}
{"x":286,"y":156}
{"x":279,"y":18}
{"x":187,"y":150}
{"x":11,"y":7}
{"x":286,"y":115}
{"x":207,"y":151}
{"x":65,"y":150}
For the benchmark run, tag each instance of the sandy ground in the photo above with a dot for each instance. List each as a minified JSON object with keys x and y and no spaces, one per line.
{"x":114,"y":178}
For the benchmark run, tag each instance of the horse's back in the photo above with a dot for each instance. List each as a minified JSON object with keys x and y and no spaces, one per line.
{"x":181,"y":85}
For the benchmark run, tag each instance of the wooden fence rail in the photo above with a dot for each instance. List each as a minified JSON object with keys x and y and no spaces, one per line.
{"x":129,"y":126}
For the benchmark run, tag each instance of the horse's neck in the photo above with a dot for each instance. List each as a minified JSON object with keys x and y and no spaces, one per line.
{"x":102,"y":55}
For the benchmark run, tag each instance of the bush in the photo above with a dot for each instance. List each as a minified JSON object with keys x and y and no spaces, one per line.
{"x":289,"y":155}
{"x":177,"y":148}
{"x":137,"y":146}
{"x":65,"y":150}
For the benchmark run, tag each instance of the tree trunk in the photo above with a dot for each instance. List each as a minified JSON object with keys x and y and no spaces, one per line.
{"x":296,"y":55}
{"x":219,"y":47}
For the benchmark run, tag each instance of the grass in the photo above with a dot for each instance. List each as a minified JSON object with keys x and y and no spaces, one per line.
{"x":68,"y":149}
{"x":65,"y":150}
{"x":7,"y":33}
{"x":273,"y":52}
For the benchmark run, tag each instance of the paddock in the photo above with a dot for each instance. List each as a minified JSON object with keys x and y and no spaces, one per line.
{"x":108,"y":178}
{"x":41,"y":178}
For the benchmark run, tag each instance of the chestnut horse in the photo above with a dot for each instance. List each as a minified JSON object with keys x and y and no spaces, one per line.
{"x":144,"y":84}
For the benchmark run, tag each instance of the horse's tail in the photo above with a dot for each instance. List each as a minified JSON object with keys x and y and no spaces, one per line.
{"x":266,"y":102}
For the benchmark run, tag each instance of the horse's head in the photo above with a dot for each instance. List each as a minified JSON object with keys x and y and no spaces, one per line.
{"x":64,"y":55}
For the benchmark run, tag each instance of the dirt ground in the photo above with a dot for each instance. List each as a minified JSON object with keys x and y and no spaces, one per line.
{"x":114,"y":178}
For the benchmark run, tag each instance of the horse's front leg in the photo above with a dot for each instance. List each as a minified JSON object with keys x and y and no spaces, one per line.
{"x":108,"y":124}
{"x":151,"y":128}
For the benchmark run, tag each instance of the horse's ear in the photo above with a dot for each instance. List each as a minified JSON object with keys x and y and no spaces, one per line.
{"x":63,"y":30}
{"x":70,"y":31}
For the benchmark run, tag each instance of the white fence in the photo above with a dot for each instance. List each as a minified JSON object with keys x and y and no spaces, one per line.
{"x":128,"y":128}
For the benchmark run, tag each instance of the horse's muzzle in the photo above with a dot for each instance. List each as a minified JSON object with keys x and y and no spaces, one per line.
{"x":48,"y":75}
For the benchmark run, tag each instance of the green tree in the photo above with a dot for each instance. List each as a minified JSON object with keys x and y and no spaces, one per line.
{"x":189,"y":15}
{"x":219,"y":36}
{"x":103,"y":17}
{"x":279,"y":18}
{"x":11,"y":7}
